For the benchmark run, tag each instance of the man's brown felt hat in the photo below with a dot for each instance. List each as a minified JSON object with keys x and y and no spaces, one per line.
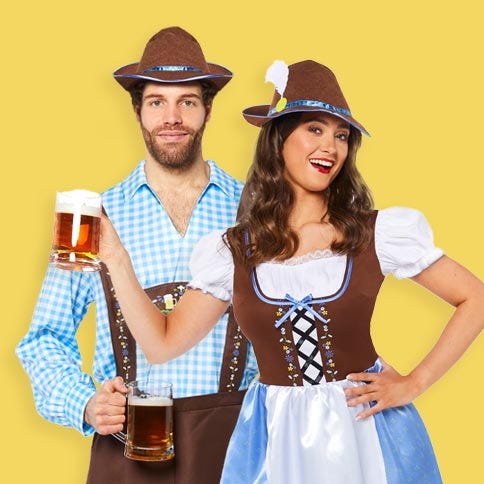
{"x":172,"y":55}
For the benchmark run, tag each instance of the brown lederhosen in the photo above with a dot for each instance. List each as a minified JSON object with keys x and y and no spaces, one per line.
{"x":203,"y":424}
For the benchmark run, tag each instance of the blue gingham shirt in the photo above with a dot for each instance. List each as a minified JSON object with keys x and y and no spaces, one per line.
{"x":49,"y":352}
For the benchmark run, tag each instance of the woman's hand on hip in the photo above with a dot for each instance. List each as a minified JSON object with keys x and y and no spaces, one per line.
{"x":385,"y":389}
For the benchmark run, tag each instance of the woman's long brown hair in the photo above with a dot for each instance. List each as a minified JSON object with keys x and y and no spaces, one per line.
{"x":268,"y":199}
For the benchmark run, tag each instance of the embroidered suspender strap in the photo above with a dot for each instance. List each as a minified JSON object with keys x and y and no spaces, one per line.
{"x":123,"y":343}
{"x":234,"y":357}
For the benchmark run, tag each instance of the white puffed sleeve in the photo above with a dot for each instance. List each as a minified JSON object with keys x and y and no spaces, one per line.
{"x":404,"y":242}
{"x":212,"y":266}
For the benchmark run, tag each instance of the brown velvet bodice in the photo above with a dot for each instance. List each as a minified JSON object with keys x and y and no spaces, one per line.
{"x":341,"y":322}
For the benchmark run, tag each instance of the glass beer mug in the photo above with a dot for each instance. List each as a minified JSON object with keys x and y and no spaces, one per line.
{"x":76,"y":231}
{"x":150,"y":421}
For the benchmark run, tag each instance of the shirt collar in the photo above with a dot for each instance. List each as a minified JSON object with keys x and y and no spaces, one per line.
{"x":134,"y":181}
{"x":221,"y":179}
{"x":218,"y":177}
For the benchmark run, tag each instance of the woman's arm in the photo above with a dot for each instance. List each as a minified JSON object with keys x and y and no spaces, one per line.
{"x":161,"y":337}
{"x":456,"y":285}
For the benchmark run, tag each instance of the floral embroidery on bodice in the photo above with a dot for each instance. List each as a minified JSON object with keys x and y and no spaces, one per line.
{"x":311,"y":347}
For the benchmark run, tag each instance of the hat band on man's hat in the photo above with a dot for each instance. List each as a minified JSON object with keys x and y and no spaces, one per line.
{"x":173,"y":69}
{"x":308,"y":103}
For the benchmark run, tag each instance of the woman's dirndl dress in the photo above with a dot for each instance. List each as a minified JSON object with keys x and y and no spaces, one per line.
{"x":309,"y":322}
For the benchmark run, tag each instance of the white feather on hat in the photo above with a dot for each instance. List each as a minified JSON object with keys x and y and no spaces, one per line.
{"x":278,"y":73}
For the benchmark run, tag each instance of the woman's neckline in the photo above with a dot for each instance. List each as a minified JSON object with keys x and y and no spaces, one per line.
{"x":318,"y":299}
{"x":312,"y":256}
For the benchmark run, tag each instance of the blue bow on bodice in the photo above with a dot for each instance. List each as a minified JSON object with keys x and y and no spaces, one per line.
{"x":305,"y":302}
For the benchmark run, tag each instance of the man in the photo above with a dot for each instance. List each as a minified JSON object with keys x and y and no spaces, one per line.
{"x":160,"y":211}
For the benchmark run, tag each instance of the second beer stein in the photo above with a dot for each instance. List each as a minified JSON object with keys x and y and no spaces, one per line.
{"x":76,"y":231}
{"x":150,"y":422}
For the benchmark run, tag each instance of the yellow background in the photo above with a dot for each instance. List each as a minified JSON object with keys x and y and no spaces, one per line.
{"x":412,"y":72}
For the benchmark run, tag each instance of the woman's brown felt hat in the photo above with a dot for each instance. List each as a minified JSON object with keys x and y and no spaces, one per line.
{"x":172,"y":55}
{"x":310,"y":87}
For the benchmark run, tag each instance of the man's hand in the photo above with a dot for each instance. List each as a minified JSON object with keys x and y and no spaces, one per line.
{"x":105,"y":410}
{"x":387,"y":389}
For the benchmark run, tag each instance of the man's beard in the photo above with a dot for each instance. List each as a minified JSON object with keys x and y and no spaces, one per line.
{"x":174,"y":156}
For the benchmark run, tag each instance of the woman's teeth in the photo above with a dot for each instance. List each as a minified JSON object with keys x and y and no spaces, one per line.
{"x":321,"y":165}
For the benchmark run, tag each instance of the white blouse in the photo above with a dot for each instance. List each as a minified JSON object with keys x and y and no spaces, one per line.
{"x":403,"y":242}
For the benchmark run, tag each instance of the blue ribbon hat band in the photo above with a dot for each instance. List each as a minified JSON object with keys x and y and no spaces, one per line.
{"x":329,"y":108}
{"x":312,"y":104}
{"x":173,"y":69}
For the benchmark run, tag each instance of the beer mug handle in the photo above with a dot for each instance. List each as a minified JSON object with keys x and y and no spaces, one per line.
{"x":121,"y":436}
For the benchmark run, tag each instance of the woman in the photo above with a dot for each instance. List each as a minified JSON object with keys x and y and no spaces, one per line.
{"x":302,"y":269}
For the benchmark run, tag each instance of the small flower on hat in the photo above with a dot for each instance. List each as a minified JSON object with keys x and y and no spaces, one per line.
{"x":277,"y":73}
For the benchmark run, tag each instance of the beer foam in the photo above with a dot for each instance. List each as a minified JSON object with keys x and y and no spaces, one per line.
{"x":79,"y":201}
{"x":150,"y":401}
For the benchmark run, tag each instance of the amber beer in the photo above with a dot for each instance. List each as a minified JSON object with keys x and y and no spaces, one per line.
{"x":76,"y":231}
{"x":150,"y":422}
